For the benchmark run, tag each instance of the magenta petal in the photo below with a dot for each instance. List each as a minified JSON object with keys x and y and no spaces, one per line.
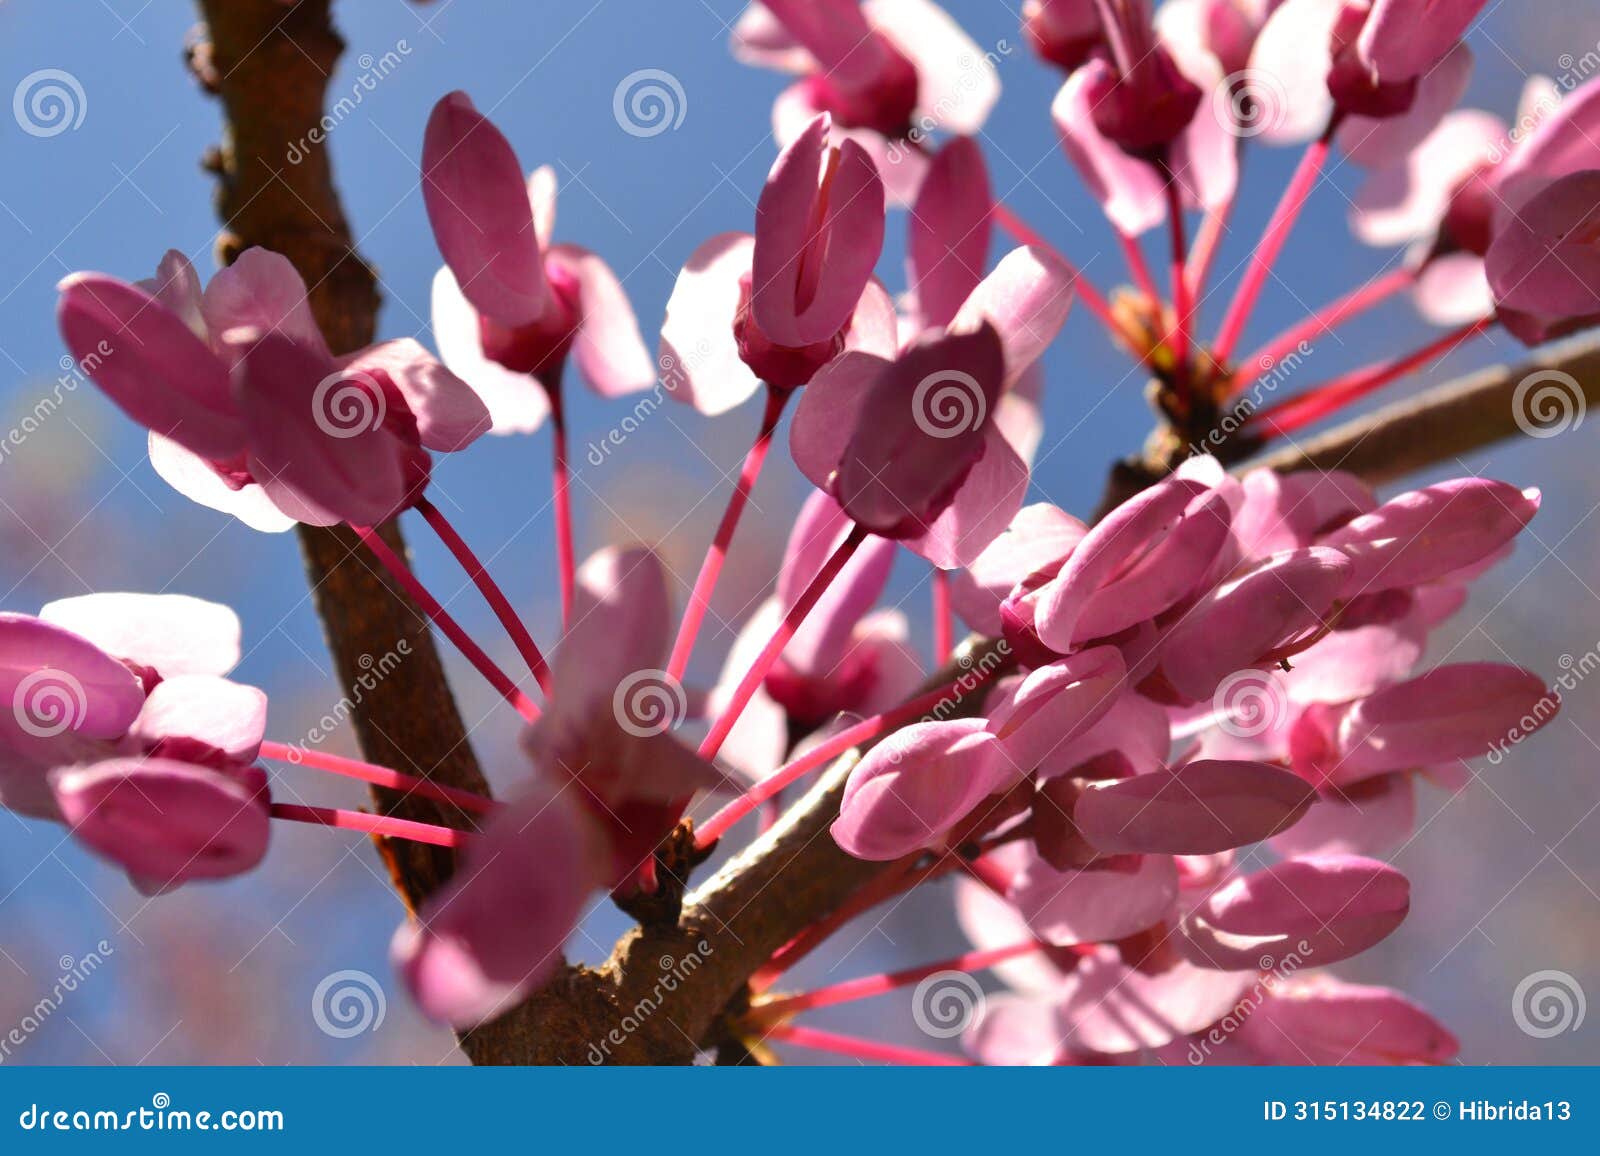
{"x":177,"y":286}
{"x":836,"y":35}
{"x":607,"y":346}
{"x":515,"y":401}
{"x":53,"y":681}
{"x":1378,"y":144}
{"x":166,"y":822}
{"x":1130,"y":191}
{"x":983,"y":506}
{"x":150,"y":363}
{"x":815,"y":248}
{"x":323,"y":435}
{"x":1425,"y":534}
{"x":913,"y":787}
{"x":1134,"y":728}
{"x":699,"y":358}
{"x":1057,"y":703}
{"x":171,"y":633}
{"x":948,"y":247}
{"x":1026,"y":298}
{"x":830,"y":412}
{"x":1202,"y":808}
{"x":1323,"y":1020}
{"x":1544,"y":264}
{"x":1461,"y":711}
{"x":1067,"y":907}
{"x":1287,"y":511}
{"x":1038,"y":534}
{"x":1239,"y":624}
{"x":1566,"y":139}
{"x":1324,"y":909}
{"x":1405,"y":38}
{"x":226,"y":716}
{"x":450,"y":416}
{"x":261,"y":290}
{"x":482,"y":219}
{"x":496,"y":930}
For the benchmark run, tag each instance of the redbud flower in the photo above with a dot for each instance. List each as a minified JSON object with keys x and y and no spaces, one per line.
{"x":1544,"y":264}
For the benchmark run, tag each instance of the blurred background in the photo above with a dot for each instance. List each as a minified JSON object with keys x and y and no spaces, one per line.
{"x":1506,"y":875}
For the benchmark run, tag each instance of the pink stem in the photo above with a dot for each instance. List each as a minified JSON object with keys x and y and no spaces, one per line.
{"x":447,"y":625}
{"x":492,"y":593}
{"x":1271,"y":244}
{"x":1180,"y":283}
{"x":711,"y":569}
{"x":714,"y":828}
{"x":1137,"y":267}
{"x":1087,"y":293}
{"x":379,"y":776}
{"x":385,"y":825}
{"x":1299,"y":412}
{"x":566,"y":559}
{"x":871,"y":985}
{"x":860,"y":1049}
{"x":780,"y":638}
{"x":1326,"y":319}
{"x":943,"y":618}
{"x":1206,"y":243}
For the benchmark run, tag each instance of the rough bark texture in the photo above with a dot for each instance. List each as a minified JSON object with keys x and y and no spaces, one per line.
{"x":663,"y":993}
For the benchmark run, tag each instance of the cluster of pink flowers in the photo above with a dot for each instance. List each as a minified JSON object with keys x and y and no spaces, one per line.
{"x":1221,"y":669}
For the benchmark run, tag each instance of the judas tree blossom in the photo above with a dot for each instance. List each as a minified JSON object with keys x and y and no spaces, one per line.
{"x":890,"y":72}
{"x":511,"y":304}
{"x":247,"y":409}
{"x":1544,"y":266}
{"x":122,"y":726}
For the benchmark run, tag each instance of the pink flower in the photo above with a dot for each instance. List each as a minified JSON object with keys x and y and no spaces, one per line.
{"x":122,"y":726}
{"x":779,"y":306}
{"x":247,"y":409}
{"x":885,"y":70}
{"x":1544,"y":263}
{"x":511,"y":305}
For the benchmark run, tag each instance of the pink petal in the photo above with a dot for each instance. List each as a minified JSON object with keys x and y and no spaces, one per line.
{"x":1376,"y":144}
{"x":819,"y":646}
{"x":450,"y":416}
{"x":1566,"y":140}
{"x":495,"y":931}
{"x":759,"y":38}
{"x":192,"y":476}
{"x":1057,"y":703}
{"x":1371,"y":817}
{"x":542,"y":204}
{"x":226,"y":716}
{"x":808,"y":275}
{"x":167,"y":822}
{"x":1544,"y":263}
{"x":515,"y":401}
{"x":1288,"y":511}
{"x":1453,"y":290}
{"x":261,"y":290}
{"x":177,"y":286}
{"x":1111,"y":1008}
{"x":987,"y":500}
{"x":1134,"y":728}
{"x":478,"y":206}
{"x":1130,"y":191}
{"x":150,"y":363}
{"x":1407,"y":201}
{"x":1323,"y":1020}
{"x":830,"y":412}
{"x":1026,"y":299}
{"x":1289,"y":69}
{"x":948,"y":247}
{"x":170,"y":633}
{"x":620,"y":619}
{"x":1039,"y":534}
{"x":957,"y":85}
{"x":836,"y":35}
{"x":699,"y":359}
{"x":1202,"y":808}
{"x":1066,"y":907}
{"x":608,"y":348}
{"x":1406,"y":38}
{"x":1325,"y":909}
{"x":1013,"y":1031}
{"x":53,"y":681}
